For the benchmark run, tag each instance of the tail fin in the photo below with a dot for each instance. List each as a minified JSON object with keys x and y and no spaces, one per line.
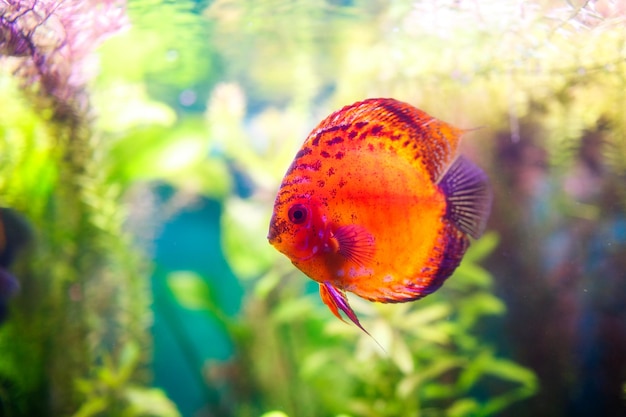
{"x":468,"y":195}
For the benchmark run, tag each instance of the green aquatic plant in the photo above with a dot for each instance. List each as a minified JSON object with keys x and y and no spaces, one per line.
{"x":76,"y":340}
{"x":113,"y":389}
{"x":292,"y":355}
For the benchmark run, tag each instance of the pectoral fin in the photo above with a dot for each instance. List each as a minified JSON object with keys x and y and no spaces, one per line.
{"x":355,"y":243}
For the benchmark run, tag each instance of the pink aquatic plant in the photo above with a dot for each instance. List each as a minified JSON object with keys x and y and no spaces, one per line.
{"x":49,"y":43}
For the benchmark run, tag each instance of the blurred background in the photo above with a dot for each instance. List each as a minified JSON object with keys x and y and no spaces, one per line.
{"x":141,"y":146}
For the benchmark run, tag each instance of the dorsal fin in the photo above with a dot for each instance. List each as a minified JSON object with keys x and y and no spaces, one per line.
{"x":468,"y":196}
{"x":386,"y":123}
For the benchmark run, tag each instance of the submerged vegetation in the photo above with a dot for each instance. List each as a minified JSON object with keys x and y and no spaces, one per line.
{"x":212,"y":100}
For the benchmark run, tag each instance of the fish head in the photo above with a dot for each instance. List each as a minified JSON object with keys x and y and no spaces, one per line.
{"x":297,"y":229}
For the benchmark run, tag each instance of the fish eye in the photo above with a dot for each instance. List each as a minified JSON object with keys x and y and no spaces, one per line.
{"x":298,"y":214}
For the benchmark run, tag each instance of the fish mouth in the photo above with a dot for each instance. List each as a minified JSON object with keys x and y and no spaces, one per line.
{"x":273,"y":235}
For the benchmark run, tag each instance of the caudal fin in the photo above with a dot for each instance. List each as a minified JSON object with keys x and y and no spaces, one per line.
{"x":468,"y":195}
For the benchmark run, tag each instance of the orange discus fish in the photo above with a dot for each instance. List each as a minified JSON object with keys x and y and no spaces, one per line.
{"x":377,"y":202}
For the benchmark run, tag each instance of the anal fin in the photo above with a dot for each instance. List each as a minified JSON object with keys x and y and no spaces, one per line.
{"x":468,"y":196}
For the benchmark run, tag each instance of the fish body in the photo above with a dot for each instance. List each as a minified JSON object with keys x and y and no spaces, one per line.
{"x":377,"y":202}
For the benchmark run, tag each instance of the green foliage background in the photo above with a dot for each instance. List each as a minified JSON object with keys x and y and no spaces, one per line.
{"x":194,"y":92}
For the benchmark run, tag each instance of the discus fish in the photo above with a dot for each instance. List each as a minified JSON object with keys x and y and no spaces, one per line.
{"x":376,"y":202}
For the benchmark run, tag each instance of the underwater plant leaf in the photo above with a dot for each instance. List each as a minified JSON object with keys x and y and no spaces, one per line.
{"x":150,"y":402}
{"x":243,"y":238}
{"x":401,"y":355}
{"x":191,"y":291}
{"x":477,"y":305}
{"x":419,"y":317}
{"x":436,"y":390}
{"x":315,"y":363}
{"x":434,"y":334}
{"x":408,"y":385}
{"x":497,"y":403}
{"x":92,"y":407}
{"x":125,"y":106}
{"x":274,"y":414}
{"x":511,"y":371}
{"x":463,"y":407}
{"x":179,"y":156}
{"x":473,"y":370}
{"x":470,"y":275}
{"x":267,"y":283}
{"x":482,"y":247}
{"x":154,"y":151}
{"x":156,"y":48}
{"x":294,"y":310}
{"x":427,"y":374}
{"x":129,"y":359}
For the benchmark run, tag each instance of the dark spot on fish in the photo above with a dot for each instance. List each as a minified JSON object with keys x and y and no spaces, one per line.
{"x":334,"y":128}
{"x":325,"y":154}
{"x":395,"y":137}
{"x":282,"y":201}
{"x":297,"y":180}
{"x":331,"y":171}
{"x":342,"y":182}
{"x":376,"y":129}
{"x":333,"y":193}
{"x":282,"y":194}
{"x":352,"y":134}
{"x":321,"y":183}
{"x":339,"y":155}
{"x":303,"y":196}
{"x":336,"y":139}
{"x":406,"y":143}
{"x":303,"y":152}
{"x":360,"y":125}
{"x":370,"y":147}
{"x":362,"y":135}
{"x":316,"y":141}
{"x":312,"y":167}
